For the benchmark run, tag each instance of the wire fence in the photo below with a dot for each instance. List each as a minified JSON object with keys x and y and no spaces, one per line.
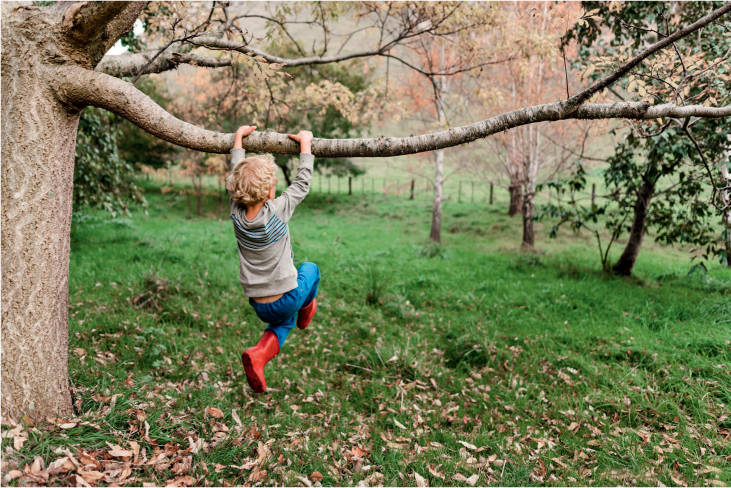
{"x":416,"y":188}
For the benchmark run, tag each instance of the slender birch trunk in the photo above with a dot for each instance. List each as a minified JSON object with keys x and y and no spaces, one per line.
{"x":435,"y":234}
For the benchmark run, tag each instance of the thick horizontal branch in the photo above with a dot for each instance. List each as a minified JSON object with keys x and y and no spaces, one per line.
{"x":129,"y":65}
{"x":82,"y":87}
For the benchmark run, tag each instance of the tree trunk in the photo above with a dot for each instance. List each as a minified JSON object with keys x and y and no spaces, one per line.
{"x":199,"y":195}
{"x":288,"y":176}
{"x":516,"y":199}
{"x":38,"y":144}
{"x":220,"y":195}
{"x":726,"y":217}
{"x":435,"y":235}
{"x":529,"y":236}
{"x":531,"y":174}
{"x":628,"y":258}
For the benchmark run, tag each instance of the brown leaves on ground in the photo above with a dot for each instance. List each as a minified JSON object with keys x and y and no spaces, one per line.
{"x":316,"y":476}
{"x":214,"y":412}
{"x":112,"y":465}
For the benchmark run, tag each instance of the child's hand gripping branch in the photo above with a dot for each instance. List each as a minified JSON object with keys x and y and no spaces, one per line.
{"x":281,"y":295}
{"x":305,"y":140}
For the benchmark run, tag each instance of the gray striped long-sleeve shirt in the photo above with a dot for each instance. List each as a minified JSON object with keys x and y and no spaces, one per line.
{"x":265,"y":251}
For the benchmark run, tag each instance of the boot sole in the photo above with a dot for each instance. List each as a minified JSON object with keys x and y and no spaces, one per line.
{"x":254,"y":381}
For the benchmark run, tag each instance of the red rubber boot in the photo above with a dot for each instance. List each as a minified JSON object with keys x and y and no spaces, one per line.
{"x":304,"y":316}
{"x":255,"y":358}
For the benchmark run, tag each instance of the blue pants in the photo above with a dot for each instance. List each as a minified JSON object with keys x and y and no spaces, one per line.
{"x":282,"y":314}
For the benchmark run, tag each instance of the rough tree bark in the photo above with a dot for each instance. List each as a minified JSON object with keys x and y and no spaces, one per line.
{"x":48,"y":59}
{"x":627,"y":260}
{"x":38,"y":146}
{"x":516,"y":199}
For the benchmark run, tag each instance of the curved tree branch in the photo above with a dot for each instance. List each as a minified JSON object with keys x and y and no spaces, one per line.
{"x":83,"y":87}
{"x":225,"y":44}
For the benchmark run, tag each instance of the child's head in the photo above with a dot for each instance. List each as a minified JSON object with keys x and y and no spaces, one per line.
{"x":252,"y":180}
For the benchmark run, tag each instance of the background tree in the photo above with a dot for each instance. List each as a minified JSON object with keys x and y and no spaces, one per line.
{"x":536,"y":74}
{"x":53,"y":67}
{"x":693,"y":71}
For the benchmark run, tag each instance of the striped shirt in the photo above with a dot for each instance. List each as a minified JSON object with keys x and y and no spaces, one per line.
{"x":266,"y":260}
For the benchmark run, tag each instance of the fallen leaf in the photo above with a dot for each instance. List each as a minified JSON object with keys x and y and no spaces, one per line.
{"x":135,"y":450}
{"x":399,"y":424}
{"x":121,"y":453}
{"x":214,"y":412}
{"x":420,"y":481}
{"x":68,"y":425}
{"x":467,"y":445}
{"x":236,"y":417}
{"x":316,"y":476}
{"x":15,"y":473}
{"x":472,"y":480}
{"x":195,"y":446}
{"x":303,"y":480}
{"x":258,"y":475}
{"x":92,"y":476}
{"x":678,"y":481}
{"x":80,"y":481}
{"x":435,"y":473}
{"x":247,"y":465}
{"x":436,"y":444}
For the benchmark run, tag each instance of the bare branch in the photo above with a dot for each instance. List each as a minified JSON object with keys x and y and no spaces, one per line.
{"x":128,"y":65}
{"x":225,"y":44}
{"x":83,"y":87}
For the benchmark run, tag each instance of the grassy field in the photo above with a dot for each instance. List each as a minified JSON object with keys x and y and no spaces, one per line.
{"x":466,"y":364}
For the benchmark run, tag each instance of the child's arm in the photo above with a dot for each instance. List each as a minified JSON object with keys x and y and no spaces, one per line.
{"x":237,"y":153}
{"x":299,"y":188}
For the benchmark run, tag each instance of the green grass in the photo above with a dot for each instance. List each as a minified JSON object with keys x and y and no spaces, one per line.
{"x":555,"y":372}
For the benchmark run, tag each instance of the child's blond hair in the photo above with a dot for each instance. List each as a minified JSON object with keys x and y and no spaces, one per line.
{"x":250,"y":181}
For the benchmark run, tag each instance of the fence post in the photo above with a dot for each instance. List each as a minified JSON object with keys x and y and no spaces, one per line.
{"x":593,"y":193}
{"x":412,"y":189}
{"x":490,"y":193}
{"x":350,"y":185}
{"x":473,"y":192}
{"x":459,"y":196}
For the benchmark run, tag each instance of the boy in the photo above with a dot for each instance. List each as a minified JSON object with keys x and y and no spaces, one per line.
{"x":280,"y":294}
